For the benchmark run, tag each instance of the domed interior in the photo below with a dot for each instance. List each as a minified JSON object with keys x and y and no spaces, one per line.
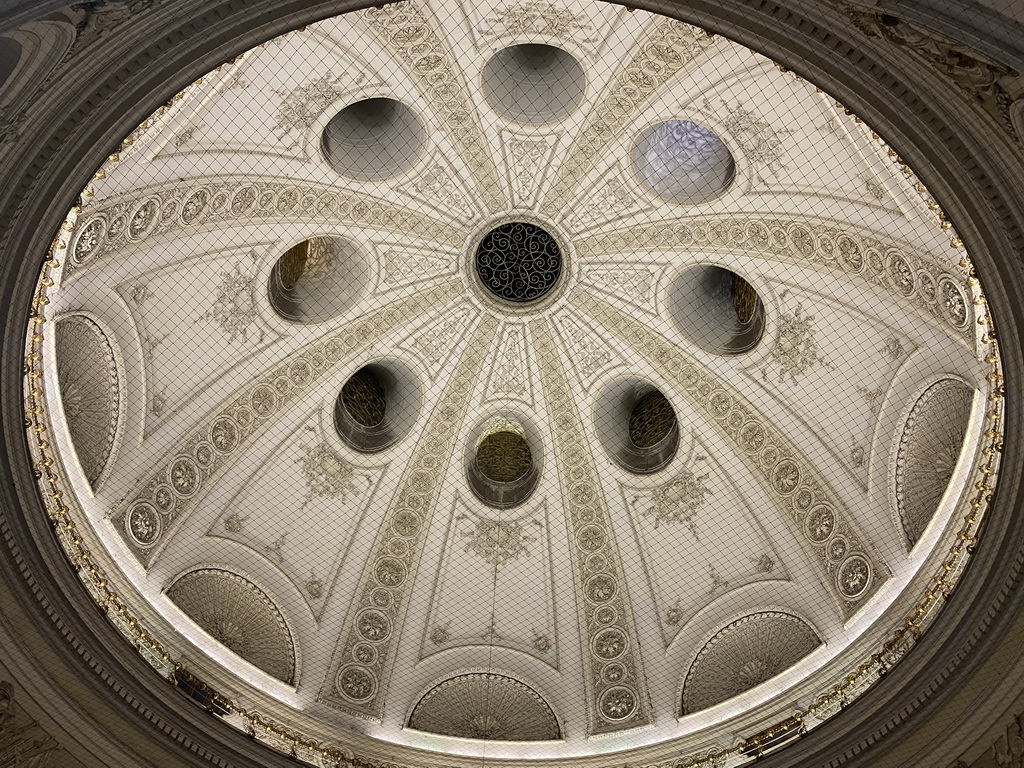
{"x":627,"y":409}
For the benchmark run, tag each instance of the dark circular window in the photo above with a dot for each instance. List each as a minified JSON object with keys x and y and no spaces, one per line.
{"x":651,"y":421}
{"x":504,"y":457}
{"x":363,"y":398}
{"x":518,"y":262}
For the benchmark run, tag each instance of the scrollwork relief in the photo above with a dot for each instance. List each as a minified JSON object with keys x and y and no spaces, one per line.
{"x":929,"y":285}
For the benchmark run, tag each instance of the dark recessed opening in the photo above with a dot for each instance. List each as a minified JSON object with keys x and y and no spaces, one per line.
{"x":518,"y":262}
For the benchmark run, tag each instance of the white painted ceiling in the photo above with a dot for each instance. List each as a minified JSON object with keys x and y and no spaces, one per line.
{"x":222,"y":419}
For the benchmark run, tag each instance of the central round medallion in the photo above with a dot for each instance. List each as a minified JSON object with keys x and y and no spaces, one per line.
{"x":518,"y":262}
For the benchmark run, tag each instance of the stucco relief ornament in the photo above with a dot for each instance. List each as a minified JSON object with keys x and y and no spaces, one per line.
{"x":795,"y":350}
{"x":677,"y":502}
{"x":302,"y":107}
{"x":234,"y":306}
{"x":535,"y":18}
{"x":327,"y":474}
{"x":760,"y":141}
{"x":497,"y":542}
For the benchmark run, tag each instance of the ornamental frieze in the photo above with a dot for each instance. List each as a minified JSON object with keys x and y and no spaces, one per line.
{"x":617,"y":695}
{"x":203,"y":204}
{"x":666,"y":53}
{"x":909,"y":278}
{"x":431,"y":64}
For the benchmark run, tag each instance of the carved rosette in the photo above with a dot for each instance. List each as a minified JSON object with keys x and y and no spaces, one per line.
{"x":404,"y":28}
{"x":177,"y":209}
{"x":171,"y":491}
{"x":850,"y":572}
{"x":743,"y":655}
{"x":936,"y":288}
{"x":617,"y":696}
{"x":928,"y":450}
{"x":238,"y":614}
{"x":362,"y":661}
{"x":90,"y":391}
{"x":668,"y":51}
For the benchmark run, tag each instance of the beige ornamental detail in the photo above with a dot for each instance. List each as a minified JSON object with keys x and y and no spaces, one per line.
{"x":362,"y":663}
{"x":405,"y":29}
{"x":849,"y":569}
{"x":923,"y":283}
{"x":205,"y":204}
{"x":666,"y":53}
{"x":617,"y":696}
{"x":187,"y":471}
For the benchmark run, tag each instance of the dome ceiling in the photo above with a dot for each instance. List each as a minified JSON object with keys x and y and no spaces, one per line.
{"x":565,"y":368}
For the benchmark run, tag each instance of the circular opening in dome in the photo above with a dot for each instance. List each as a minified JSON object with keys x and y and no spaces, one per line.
{"x":377,"y":405}
{"x":504,"y":457}
{"x":317,"y":279}
{"x":533,"y":83}
{"x":373,"y":139}
{"x":637,"y":426}
{"x":683,"y":162}
{"x":717,"y":310}
{"x":10,"y":54}
{"x":518,"y":262}
{"x":501,"y":468}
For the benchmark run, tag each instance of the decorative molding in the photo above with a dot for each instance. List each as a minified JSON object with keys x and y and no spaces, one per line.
{"x":182,"y":208}
{"x":239,"y":615}
{"x":485,"y":705}
{"x":187,"y":470}
{"x":496,"y":542}
{"x":538,"y":19}
{"x":616,"y":687}
{"x":978,"y":77}
{"x":362,"y":661}
{"x":436,"y":339}
{"x":936,"y":288}
{"x":234,"y":308}
{"x":440,"y":187}
{"x":510,"y":368}
{"x":527,"y":160}
{"x":23,"y":741}
{"x":632,"y":284}
{"x":403,"y":28}
{"x":89,"y":382}
{"x":743,"y":655}
{"x":669,"y":49}
{"x":812,"y":510}
{"x":927,"y":452}
{"x":676,"y":502}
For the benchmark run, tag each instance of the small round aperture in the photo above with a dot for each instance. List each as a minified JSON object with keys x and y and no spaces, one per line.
{"x":518,"y":262}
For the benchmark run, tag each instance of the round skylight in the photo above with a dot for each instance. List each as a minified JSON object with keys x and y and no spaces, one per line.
{"x":533,"y":83}
{"x":683,"y":162}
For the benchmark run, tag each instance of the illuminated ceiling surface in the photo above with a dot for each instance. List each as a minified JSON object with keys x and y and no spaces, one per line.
{"x":533,"y":381}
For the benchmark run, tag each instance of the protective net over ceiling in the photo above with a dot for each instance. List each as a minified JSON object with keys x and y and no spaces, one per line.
{"x":487,"y":378}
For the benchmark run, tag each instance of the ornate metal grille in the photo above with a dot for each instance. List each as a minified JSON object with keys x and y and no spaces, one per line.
{"x":518,"y":262}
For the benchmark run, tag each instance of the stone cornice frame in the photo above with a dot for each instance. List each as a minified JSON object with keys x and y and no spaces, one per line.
{"x":115,"y":81}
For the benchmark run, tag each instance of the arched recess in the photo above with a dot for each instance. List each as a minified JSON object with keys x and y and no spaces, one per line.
{"x":240,"y":616}
{"x":927,"y":450}
{"x":485,"y":705}
{"x":744,"y":654}
{"x":89,"y":380}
